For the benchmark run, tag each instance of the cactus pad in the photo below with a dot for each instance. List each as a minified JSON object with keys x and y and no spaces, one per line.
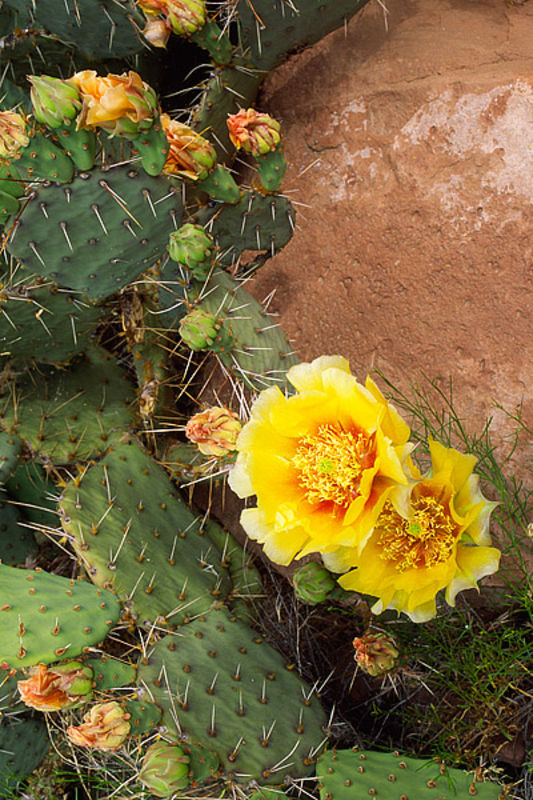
{"x":23,"y":745}
{"x":44,"y":617}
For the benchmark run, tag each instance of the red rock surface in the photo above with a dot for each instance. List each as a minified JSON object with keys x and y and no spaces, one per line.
{"x":410,"y":148}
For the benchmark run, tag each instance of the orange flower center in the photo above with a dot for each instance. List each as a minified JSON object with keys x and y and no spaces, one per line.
{"x":425,"y":539}
{"x":330,"y":463}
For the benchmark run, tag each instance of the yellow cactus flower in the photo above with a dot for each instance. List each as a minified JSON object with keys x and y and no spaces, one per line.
{"x":120,"y":104}
{"x":322,"y":462}
{"x":436,"y":536}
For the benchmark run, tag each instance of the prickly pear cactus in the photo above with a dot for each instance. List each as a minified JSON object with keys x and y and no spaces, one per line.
{"x":221,"y":684}
{"x":349,"y":773}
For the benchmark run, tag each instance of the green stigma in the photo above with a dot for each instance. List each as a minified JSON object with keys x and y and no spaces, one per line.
{"x":415,"y":528}
{"x":325,"y":465}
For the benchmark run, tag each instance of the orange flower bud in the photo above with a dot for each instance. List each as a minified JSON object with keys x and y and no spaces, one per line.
{"x":13,"y":136}
{"x":183,"y":16}
{"x":375,"y":652}
{"x":55,"y":688}
{"x":214,"y":431}
{"x":189,"y":155}
{"x":104,"y":727}
{"x":256,"y":133}
{"x":121,"y":104}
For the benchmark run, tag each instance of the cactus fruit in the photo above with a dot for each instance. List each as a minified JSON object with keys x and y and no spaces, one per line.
{"x":136,"y":536}
{"x":45,"y":617}
{"x":165,"y":769}
{"x":312,"y":583}
{"x":221,"y":685}
{"x":392,"y":776}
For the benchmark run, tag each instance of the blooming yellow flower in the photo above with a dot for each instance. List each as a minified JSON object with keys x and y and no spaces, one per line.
{"x":120,"y":104}
{"x":436,"y":536}
{"x":322,"y":462}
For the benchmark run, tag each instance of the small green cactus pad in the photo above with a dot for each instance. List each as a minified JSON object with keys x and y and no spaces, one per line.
{"x":111,"y":673}
{"x":43,"y":159}
{"x":204,"y":764}
{"x":10,"y":447}
{"x":222,"y":685}
{"x":275,"y":28}
{"x":24,"y":743}
{"x":69,"y":416}
{"x":43,"y":324}
{"x":361,"y":773}
{"x":16,"y":542}
{"x":99,"y":28}
{"x":136,"y":536}
{"x":98,"y":233}
{"x":260,"y":354}
{"x":219,"y":185}
{"x":45,"y":617}
{"x":144,"y":715}
{"x":31,"y":490}
{"x":256,"y":222}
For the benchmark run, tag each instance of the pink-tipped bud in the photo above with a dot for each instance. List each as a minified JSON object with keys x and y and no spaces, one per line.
{"x":376,"y":652}
{"x":214,"y":431}
{"x":13,"y":135}
{"x":256,"y":133}
{"x":58,"y":687}
{"x":105,"y":727}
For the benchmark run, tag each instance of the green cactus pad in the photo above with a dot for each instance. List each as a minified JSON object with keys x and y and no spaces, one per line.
{"x":80,"y":146}
{"x":219,"y":185}
{"x":98,"y":28}
{"x":24,"y":743}
{"x":40,"y":323}
{"x":31,"y":490}
{"x":45,"y":617}
{"x":391,"y":776}
{"x":256,"y":222}
{"x":273,"y":28}
{"x":100,"y":232}
{"x":111,"y":673}
{"x":69,"y":416}
{"x":217,"y":44}
{"x":271,"y":168}
{"x":136,"y":536}
{"x":43,"y":159}
{"x":221,"y":685}
{"x":10,"y":447}
{"x":17,"y":543}
{"x":144,"y":715}
{"x":152,"y":147}
{"x":260,"y":354}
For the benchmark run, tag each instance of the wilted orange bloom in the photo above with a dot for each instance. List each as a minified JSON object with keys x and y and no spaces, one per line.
{"x":13,"y":136}
{"x":56,"y":688}
{"x":105,"y":727}
{"x":190,"y":155}
{"x":157,"y":32}
{"x":214,"y":431}
{"x":120,"y":104}
{"x":256,"y":133}
{"x":183,"y":16}
{"x":375,"y":652}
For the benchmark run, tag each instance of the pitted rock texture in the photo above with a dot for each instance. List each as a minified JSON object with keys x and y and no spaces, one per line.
{"x":410,"y":148}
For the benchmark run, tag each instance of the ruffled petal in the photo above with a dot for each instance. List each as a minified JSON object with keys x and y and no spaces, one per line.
{"x":308,"y":376}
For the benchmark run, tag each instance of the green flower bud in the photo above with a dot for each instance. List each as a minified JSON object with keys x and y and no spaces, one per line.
{"x":312,"y":583}
{"x":186,"y":16}
{"x":55,"y":102}
{"x":198,"y":329}
{"x":376,"y":652}
{"x":165,"y":769}
{"x":191,"y":246}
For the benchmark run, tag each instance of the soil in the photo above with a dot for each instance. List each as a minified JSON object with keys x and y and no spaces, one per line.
{"x":409,"y":137}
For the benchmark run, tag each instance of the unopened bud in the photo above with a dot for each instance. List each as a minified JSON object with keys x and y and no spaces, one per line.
{"x":312,"y":583}
{"x":256,"y":133}
{"x":165,"y":769}
{"x":198,"y":329}
{"x":191,"y":246}
{"x":376,"y":652}
{"x":189,"y":155}
{"x":55,"y":102}
{"x":214,"y":431}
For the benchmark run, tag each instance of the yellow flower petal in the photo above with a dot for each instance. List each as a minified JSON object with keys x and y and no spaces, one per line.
{"x":308,"y":376}
{"x":473,"y":563}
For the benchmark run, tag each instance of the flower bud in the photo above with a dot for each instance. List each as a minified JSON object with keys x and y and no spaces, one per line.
{"x":186,"y":16}
{"x":375,"y":652}
{"x":214,"y":431}
{"x":104,"y":727}
{"x":189,"y":155}
{"x":312,"y":583}
{"x":198,"y":329}
{"x":13,"y":136}
{"x":58,"y":687}
{"x":165,"y":769}
{"x":55,"y":102}
{"x":191,"y":246}
{"x":256,"y":133}
{"x":123,"y":105}
{"x":157,"y":32}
